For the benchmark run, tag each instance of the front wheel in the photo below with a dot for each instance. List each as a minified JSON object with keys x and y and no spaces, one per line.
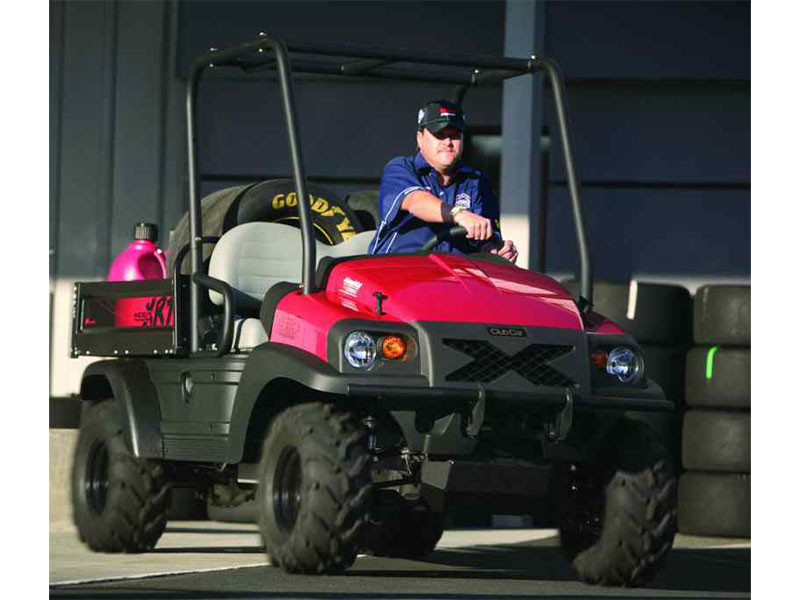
{"x":314,"y":489}
{"x":618,"y":514}
{"x":119,"y":502}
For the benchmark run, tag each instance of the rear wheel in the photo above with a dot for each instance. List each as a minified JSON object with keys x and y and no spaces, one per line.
{"x":119,"y":502}
{"x":314,"y":489}
{"x":618,"y":517}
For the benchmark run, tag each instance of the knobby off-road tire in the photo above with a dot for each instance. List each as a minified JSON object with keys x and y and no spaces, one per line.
{"x":119,"y":502}
{"x":618,"y":523}
{"x":314,"y":490}
{"x":403,"y":529}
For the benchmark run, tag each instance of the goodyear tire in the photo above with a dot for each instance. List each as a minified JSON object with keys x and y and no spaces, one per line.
{"x":365,"y":205}
{"x":314,"y":489}
{"x":617,"y":519}
{"x":273,"y":201}
{"x":722,"y":315}
{"x":718,"y":377}
{"x":716,"y":441}
{"x":652,"y":313}
{"x":119,"y":502}
{"x":403,"y":529}
{"x":714,"y":504}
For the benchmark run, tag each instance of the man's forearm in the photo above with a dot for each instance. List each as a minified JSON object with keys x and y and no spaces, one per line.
{"x":425,"y":206}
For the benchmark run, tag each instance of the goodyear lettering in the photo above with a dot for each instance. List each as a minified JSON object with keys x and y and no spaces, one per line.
{"x":319,"y":205}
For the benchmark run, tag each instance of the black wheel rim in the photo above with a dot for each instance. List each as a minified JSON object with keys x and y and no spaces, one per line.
{"x":96,"y":484}
{"x":286,"y":489}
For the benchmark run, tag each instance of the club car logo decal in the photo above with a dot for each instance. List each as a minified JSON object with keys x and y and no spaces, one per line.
{"x":463,"y":200}
{"x":350,"y":287}
{"x":507,"y":332}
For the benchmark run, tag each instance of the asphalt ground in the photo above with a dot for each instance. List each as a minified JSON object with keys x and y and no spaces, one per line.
{"x":205,"y":560}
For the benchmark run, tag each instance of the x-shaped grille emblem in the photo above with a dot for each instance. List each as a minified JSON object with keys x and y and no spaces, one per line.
{"x":490,"y":363}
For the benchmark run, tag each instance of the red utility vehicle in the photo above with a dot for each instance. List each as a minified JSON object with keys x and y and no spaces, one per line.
{"x":357,"y":397}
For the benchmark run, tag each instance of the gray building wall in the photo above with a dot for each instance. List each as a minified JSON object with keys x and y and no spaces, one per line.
{"x":116,"y":150}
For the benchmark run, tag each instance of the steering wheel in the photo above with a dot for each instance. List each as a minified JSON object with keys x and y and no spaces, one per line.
{"x":457,"y":233}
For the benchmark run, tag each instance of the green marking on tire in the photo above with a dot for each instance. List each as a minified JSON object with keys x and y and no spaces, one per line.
{"x":710,"y":361}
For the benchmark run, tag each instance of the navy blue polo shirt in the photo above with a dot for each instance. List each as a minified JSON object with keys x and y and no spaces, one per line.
{"x":400,"y":231}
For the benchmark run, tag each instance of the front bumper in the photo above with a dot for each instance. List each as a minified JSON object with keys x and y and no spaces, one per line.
{"x":649,"y":398}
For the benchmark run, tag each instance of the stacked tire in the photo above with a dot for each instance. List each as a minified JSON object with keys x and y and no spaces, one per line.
{"x":659,"y":317}
{"x":272,"y":201}
{"x":714,"y":491}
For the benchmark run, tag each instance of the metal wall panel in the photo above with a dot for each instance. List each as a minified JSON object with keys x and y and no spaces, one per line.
{"x":87,"y":138}
{"x":56,"y":72}
{"x":427,"y":25}
{"x":139,"y":119}
{"x":652,"y":39}
{"x":654,"y":231}
{"x":117,"y":135}
{"x":658,"y":132}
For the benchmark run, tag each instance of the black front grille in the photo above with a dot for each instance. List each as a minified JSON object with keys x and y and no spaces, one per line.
{"x":490,"y":363}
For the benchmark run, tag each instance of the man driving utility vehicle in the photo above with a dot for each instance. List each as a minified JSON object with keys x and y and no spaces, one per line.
{"x":424,"y":194}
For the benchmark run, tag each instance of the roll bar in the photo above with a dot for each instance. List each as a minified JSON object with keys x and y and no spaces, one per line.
{"x":269,"y":53}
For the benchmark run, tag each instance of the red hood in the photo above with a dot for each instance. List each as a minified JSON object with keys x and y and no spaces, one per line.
{"x":450,"y":287}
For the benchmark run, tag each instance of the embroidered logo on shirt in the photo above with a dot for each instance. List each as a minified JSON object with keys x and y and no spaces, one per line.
{"x":463,"y":200}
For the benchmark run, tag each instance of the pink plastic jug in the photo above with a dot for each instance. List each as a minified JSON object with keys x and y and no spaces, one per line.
{"x":142,"y":259}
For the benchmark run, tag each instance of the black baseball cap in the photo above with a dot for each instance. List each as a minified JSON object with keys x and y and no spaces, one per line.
{"x":440,"y":114}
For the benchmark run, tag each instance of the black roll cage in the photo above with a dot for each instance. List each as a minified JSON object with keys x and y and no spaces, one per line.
{"x":268,"y":53}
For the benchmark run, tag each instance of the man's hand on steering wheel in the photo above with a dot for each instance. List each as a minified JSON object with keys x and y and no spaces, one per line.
{"x":478,"y":227}
{"x":508,"y":251}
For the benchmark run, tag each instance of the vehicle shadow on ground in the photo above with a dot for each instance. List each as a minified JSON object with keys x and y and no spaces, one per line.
{"x":708,"y":570}
{"x":209,"y":550}
{"x":212,"y":531}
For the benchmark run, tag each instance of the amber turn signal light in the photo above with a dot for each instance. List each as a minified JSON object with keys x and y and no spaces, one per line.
{"x":394,"y":347}
{"x":599,"y":359}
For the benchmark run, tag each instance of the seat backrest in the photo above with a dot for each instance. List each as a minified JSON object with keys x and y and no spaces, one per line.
{"x":253,"y":257}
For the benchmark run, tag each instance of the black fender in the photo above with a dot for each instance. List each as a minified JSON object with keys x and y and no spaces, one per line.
{"x":265,"y":364}
{"x":128,"y":382}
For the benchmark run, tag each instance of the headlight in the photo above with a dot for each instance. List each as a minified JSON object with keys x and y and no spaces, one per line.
{"x":360,"y":349}
{"x":624,"y":363}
